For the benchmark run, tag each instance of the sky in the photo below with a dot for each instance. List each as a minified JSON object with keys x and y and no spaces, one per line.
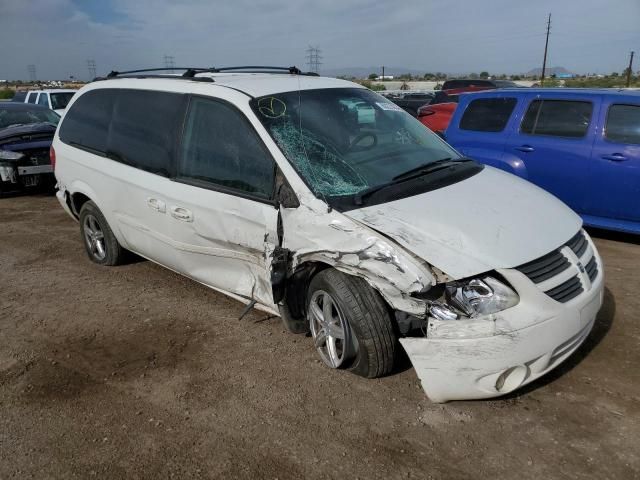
{"x":453,"y":36}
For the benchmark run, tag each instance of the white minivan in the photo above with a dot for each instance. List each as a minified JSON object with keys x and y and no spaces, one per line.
{"x":321,"y":201}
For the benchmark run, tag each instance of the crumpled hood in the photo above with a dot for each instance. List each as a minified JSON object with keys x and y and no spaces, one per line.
{"x":491,"y":220}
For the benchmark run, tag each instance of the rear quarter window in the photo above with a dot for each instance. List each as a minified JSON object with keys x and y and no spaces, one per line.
{"x":557,"y":118}
{"x":135,"y":127}
{"x":623,"y":124}
{"x":87,"y":121}
{"x":487,"y":114}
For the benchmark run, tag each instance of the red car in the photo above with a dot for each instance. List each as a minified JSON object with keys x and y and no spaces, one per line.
{"x":438,"y":113}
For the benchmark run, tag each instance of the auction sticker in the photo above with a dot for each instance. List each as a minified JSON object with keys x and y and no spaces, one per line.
{"x":389,"y":106}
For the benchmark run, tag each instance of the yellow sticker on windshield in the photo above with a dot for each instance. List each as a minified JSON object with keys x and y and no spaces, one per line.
{"x":272,"y":107}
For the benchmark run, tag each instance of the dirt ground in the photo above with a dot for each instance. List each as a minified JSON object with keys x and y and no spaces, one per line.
{"x":135,"y":372}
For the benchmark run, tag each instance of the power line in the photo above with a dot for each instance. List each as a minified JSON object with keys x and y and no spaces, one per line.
{"x":314,"y":57}
{"x":546,"y":46}
{"x":32,"y":72}
{"x":169,"y":62}
{"x":91,"y":65}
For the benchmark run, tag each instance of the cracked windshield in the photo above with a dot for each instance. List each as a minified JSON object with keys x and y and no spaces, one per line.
{"x":346,"y":141}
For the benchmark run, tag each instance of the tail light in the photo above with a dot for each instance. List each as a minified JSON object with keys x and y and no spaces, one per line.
{"x":52,"y":157}
{"x":425,"y":113}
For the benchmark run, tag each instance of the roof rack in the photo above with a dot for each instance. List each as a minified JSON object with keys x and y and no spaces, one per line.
{"x":191,"y":72}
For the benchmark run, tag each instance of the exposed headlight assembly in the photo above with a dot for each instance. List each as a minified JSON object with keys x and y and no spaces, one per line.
{"x":8,"y":159}
{"x":473,"y":297}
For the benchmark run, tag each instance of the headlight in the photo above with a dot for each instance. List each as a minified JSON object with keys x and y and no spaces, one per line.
{"x":472,"y":297}
{"x":9,"y":155}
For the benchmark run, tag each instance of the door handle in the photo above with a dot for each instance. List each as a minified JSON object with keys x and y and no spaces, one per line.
{"x":615,"y":157}
{"x":157,"y":205}
{"x":525,"y":148}
{"x":183,"y":214}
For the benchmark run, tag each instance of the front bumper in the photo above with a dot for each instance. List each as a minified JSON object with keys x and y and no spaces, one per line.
{"x":528,"y":341}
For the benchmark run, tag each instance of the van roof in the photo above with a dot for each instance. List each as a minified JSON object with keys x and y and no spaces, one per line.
{"x":252,"y":84}
{"x":260,"y":84}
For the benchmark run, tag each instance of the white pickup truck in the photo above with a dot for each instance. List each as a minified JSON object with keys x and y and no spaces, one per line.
{"x":55,"y":99}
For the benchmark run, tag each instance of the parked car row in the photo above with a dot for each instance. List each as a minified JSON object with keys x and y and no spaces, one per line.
{"x":320,"y":201}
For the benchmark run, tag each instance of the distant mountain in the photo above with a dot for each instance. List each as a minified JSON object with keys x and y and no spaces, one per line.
{"x":549,"y":71}
{"x":363,"y":72}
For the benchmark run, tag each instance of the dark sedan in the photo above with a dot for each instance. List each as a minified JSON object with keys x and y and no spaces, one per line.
{"x":26,"y":132}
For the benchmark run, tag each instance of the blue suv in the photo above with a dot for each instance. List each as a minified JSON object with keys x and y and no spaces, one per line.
{"x":582,"y":145}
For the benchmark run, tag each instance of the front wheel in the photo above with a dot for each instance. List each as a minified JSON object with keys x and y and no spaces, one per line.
{"x":99,"y":241}
{"x":350,"y":324}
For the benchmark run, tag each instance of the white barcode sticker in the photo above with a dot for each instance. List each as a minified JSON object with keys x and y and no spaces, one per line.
{"x":389,"y":106}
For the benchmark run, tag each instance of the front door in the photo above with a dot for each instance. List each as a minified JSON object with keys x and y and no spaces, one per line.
{"x":554,"y":145}
{"x":615,"y":182}
{"x":222,"y":216}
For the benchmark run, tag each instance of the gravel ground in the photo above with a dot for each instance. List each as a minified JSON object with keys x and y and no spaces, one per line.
{"x":135,"y":372}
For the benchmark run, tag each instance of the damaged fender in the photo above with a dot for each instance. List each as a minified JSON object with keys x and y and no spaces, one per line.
{"x":347,"y":245}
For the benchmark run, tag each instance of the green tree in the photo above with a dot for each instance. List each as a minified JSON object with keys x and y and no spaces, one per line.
{"x":373,"y":76}
{"x":484,"y":74}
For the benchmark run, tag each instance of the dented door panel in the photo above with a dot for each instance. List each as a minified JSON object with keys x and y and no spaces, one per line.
{"x":225,"y":244}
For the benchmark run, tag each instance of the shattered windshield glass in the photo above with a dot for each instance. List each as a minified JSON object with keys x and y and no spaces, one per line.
{"x":344,"y":141}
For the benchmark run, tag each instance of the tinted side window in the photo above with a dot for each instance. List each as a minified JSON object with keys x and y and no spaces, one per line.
{"x":560,"y":118}
{"x":87,"y":121}
{"x":32,"y":97}
{"x":44,"y":99}
{"x":451,"y":84}
{"x":623,"y":124}
{"x":144,"y":129}
{"x":487,"y":114}
{"x":220,"y":147}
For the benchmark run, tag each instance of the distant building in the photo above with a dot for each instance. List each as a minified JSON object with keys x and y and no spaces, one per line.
{"x":385,"y":77}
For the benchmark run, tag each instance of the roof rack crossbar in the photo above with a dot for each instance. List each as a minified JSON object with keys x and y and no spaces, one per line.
{"x":190,"y":72}
{"x":115,"y":73}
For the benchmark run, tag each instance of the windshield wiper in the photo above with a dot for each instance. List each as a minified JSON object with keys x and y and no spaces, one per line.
{"x":430,"y":168}
{"x":408,"y":175}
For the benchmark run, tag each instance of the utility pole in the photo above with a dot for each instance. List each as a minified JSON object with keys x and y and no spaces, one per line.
{"x":169,"y":63}
{"x":314,"y":55}
{"x":382,"y":72}
{"x":91,"y":65}
{"x":32,"y":72}
{"x":629,"y":69}
{"x":546,"y":45}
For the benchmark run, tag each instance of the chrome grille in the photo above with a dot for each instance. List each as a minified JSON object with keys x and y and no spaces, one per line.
{"x":559,"y":274}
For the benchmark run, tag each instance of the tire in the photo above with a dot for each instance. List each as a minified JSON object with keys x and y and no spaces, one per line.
{"x":369,"y":343}
{"x":100,"y":243}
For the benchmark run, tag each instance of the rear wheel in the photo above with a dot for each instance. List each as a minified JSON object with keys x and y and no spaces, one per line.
{"x":350,"y":324}
{"x":99,"y":241}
